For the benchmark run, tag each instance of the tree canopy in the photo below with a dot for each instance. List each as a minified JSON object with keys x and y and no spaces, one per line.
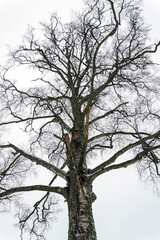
{"x":93,"y":107}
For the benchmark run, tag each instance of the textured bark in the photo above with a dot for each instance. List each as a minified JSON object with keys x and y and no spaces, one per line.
{"x":81,"y":222}
{"x":79,"y":192}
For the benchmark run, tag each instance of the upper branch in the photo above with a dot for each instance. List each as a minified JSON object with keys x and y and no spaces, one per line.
{"x":25,"y":120}
{"x":107,"y":113}
{"x":123,"y":150}
{"x":104,"y":39}
{"x":124,"y":164}
{"x":134,"y":134}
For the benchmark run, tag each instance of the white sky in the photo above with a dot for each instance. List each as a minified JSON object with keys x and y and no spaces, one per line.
{"x":125,"y":208}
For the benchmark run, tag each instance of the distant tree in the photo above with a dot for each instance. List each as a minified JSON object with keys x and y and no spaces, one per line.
{"x":95,"y":93}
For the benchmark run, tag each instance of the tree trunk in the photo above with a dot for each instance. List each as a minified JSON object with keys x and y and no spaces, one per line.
{"x":81,"y":222}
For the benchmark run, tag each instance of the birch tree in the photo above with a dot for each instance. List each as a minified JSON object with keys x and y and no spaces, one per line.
{"x":92,"y":109}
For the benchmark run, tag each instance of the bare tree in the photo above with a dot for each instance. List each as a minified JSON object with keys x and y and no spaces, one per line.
{"x":95,"y":93}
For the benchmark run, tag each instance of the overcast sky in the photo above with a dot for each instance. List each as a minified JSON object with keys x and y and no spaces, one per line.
{"x":125,"y":209}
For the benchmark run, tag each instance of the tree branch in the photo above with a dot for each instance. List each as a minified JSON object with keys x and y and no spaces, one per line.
{"x":116,"y":133}
{"x":37,"y":160}
{"x":124,"y":164}
{"x":32,"y":188}
{"x":108,"y":113}
{"x":65,"y":110}
{"x":123,"y":150}
{"x":25,"y":119}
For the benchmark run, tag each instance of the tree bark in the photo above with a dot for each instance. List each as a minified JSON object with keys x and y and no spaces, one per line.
{"x":81,"y":222}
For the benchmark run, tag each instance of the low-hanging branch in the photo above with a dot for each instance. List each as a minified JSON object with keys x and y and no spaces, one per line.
{"x":37,"y":160}
{"x":32,"y":188}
